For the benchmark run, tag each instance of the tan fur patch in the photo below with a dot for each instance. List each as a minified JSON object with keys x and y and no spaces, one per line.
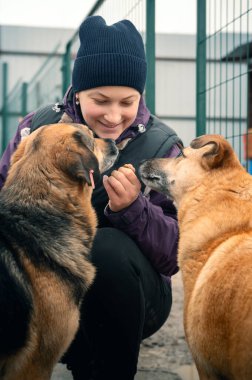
{"x":213,"y":194}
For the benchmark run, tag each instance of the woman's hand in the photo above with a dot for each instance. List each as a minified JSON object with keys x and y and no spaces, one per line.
{"x":122,"y":187}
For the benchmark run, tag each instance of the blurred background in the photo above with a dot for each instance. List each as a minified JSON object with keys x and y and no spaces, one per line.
{"x":199,"y":81}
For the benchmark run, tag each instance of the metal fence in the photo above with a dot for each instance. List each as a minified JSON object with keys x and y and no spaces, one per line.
{"x":44,"y":86}
{"x":224,"y":52}
{"x":53,"y":78}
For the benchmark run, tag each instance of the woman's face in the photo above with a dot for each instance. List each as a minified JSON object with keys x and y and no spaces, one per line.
{"x":109,"y":110}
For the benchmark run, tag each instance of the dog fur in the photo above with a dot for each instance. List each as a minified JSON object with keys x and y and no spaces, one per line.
{"x":213,"y":194}
{"x":46,"y":233}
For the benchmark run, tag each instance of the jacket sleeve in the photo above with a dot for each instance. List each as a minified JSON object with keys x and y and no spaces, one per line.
{"x":12,"y":146}
{"x":152,"y":223}
{"x":155,"y":232}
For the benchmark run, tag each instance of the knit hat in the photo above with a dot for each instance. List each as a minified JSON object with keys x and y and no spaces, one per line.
{"x":109,"y":56}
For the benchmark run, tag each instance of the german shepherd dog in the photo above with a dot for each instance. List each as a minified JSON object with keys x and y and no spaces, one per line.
{"x":47,"y":226}
{"x":213,"y":194}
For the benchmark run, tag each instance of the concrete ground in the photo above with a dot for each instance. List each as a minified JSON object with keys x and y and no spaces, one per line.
{"x":183,"y":373}
{"x":163,"y":356}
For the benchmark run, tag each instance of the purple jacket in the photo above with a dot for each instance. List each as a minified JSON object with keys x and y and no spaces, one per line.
{"x":151,"y":220}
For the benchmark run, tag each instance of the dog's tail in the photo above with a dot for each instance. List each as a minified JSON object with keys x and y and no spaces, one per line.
{"x":16,"y":303}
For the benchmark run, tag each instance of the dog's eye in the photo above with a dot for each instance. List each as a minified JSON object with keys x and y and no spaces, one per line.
{"x":181,"y":147}
{"x":181,"y":154}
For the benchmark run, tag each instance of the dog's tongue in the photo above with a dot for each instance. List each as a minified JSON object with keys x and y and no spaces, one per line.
{"x":91,"y":176}
{"x":147,"y":190}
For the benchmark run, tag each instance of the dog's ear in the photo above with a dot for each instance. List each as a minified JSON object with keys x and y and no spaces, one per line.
{"x":216,"y":151}
{"x":78,"y":166}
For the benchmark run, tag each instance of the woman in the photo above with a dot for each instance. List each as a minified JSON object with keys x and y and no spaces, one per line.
{"x":135,"y":249}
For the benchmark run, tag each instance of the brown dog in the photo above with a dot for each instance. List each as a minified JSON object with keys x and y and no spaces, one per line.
{"x":46,"y":232}
{"x":213,"y":194}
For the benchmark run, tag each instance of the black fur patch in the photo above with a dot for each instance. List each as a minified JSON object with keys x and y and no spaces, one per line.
{"x":35,"y":231}
{"x":16,"y":302}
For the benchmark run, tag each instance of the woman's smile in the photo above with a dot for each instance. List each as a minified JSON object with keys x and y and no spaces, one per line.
{"x":106,"y":125}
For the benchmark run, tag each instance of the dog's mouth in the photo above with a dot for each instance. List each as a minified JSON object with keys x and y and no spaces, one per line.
{"x":110,"y":157}
{"x":154,"y":179}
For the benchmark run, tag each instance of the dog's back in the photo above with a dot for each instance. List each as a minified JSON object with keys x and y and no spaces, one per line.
{"x":31,"y":279}
{"x":46,"y":233}
{"x":218,"y":312}
{"x":213,"y":193}
{"x":215,"y":256}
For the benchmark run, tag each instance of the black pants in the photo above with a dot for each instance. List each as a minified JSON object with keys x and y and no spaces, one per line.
{"x":128,"y":302}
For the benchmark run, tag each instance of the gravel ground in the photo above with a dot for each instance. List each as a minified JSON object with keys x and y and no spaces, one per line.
{"x":163,"y":356}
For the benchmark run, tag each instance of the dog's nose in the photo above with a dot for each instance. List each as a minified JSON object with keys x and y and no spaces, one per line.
{"x":113,"y":148}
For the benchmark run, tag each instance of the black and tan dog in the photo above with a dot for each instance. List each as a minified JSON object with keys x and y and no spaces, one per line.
{"x":213,"y":194}
{"x":47,"y":226}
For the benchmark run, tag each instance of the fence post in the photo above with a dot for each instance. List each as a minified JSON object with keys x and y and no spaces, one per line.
{"x":201,"y":69}
{"x":66,"y":69}
{"x":24,"y":99}
{"x":5,"y":104}
{"x":150,"y":55}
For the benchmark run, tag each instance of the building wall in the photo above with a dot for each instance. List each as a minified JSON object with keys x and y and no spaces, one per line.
{"x":176,"y":83}
{"x":25,"y":49}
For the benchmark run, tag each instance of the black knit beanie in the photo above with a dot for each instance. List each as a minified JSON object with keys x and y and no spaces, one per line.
{"x":109,"y":56}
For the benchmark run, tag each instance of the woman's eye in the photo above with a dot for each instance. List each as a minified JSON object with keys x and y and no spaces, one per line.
{"x":98,"y":101}
{"x":126,"y":104}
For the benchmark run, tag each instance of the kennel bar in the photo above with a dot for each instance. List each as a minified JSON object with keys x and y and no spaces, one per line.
{"x":201,"y":69}
{"x":224,"y":92}
{"x":5,"y":71}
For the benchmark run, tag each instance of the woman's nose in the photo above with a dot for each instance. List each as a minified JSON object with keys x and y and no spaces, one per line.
{"x":113,"y":116}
